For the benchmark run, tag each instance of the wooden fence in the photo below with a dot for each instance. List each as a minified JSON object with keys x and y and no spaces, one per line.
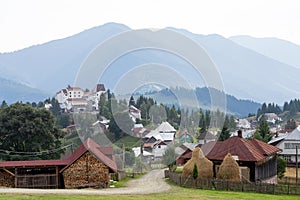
{"x":233,"y":186}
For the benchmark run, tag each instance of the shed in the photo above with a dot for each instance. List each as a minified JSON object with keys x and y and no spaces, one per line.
{"x":89,"y":166}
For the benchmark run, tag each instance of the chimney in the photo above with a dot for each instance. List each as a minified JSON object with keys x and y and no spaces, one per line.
{"x":240,"y":134}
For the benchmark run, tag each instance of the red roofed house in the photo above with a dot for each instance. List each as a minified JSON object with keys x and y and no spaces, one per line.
{"x":258,"y":158}
{"x":89,"y":165}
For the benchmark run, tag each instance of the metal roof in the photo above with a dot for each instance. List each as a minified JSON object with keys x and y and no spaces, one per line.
{"x":246,"y":150}
{"x":294,"y":135}
{"x":33,"y":163}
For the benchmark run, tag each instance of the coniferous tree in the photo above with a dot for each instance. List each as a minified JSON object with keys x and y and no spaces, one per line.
{"x":263,"y":131}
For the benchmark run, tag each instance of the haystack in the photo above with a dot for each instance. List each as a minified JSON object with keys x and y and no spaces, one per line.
{"x":229,"y":169}
{"x":204,"y":166}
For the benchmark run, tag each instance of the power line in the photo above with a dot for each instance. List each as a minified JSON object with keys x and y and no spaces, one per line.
{"x":45,"y":152}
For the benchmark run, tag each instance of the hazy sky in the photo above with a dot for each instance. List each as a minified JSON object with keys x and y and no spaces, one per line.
{"x":25,"y":23}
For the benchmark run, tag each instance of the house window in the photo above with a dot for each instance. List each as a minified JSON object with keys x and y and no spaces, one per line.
{"x":286,"y":157}
{"x":291,"y":145}
{"x":70,"y":95}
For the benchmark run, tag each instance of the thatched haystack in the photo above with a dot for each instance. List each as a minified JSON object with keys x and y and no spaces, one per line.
{"x":204,"y":166}
{"x":229,"y":169}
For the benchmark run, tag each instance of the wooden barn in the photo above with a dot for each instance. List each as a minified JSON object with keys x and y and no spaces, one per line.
{"x":32,"y":174}
{"x":257,"y":160}
{"x":89,"y":166}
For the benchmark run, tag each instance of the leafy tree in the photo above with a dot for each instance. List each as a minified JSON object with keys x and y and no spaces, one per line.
{"x":32,"y":130}
{"x":169,"y":158}
{"x":281,"y":166}
{"x":291,"y":124}
{"x":195,"y":172}
{"x":129,"y":158}
{"x":263,"y":131}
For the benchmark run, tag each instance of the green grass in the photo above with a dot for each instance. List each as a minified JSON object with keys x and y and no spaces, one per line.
{"x":176,"y":193}
{"x":129,"y":141}
{"x":122,"y":182}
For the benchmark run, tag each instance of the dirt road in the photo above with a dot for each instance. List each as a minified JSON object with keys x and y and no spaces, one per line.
{"x":153,"y":182}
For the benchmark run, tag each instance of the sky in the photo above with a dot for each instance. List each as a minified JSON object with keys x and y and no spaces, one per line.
{"x":31,"y":22}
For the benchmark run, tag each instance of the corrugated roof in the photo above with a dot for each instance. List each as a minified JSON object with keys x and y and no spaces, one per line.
{"x":33,"y":163}
{"x":95,"y":149}
{"x":294,"y":135}
{"x":102,"y":153}
{"x":246,"y":150}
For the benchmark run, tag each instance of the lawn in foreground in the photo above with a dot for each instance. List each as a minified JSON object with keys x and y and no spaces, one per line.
{"x":174,"y":194}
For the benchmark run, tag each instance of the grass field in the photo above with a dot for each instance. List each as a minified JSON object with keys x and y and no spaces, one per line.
{"x":176,"y":193}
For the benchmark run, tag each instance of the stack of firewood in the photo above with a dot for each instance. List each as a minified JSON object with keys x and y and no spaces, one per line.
{"x":6,"y":180}
{"x":87,"y":170}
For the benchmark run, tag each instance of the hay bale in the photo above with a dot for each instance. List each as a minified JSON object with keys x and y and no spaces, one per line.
{"x":229,"y":169}
{"x":204,"y":166}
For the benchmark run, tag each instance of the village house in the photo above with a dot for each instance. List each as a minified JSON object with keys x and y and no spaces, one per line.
{"x":270,"y":117}
{"x":257,"y":160}
{"x":157,"y":141}
{"x":89,"y":166}
{"x":185,"y":137}
{"x":134,"y":113}
{"x":288,"y":143}
{"x":206,"y":137}
{"x":243,"y":124}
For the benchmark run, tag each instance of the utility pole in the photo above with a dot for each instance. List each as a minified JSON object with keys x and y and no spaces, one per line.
{"x":296,"y":163}
{"x":123,"y":150}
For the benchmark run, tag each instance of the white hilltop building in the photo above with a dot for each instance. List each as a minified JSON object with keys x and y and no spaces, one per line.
{"x":75,"y":98}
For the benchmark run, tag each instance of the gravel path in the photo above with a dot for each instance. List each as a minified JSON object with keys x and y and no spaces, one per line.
{"x":152,"y":182}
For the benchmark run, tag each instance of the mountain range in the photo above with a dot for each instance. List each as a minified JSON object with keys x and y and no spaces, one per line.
{"x":248,"y":69}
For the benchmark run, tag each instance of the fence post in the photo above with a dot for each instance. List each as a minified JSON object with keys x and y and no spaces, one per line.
{"x":180,"y":180}
{"x":227,"y":185}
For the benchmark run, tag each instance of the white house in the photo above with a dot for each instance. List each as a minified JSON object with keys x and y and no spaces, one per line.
{"x":270,"y":117}
{"x":74,"y":98}
{"x":243,"y":124}
{"x":134,"y":113}
{"x":288,"y":144}
{"x":164,"y":132}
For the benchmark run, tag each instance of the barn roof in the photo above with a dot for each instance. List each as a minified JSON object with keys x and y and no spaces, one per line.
{"x":33,"y":163}
{"x":246,"y":150}
{"x":98,"y":151}
{"x":102,"y":153}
